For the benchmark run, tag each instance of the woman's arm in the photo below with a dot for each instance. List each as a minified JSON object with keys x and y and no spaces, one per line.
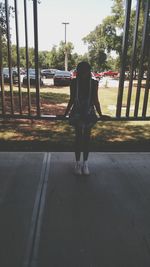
{"x":96,"y":101}
{"x":71,"y":100}
{"x":70,"y":103}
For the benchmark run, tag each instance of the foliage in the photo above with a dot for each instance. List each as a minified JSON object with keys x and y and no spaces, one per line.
{"x":113,"y":63}
{"x":2,"y":19}
{"x":107,"y":37}
{"x":3,"y":31}
{"x":44,"y":59}
{"x":57,"y":56}
{"x":47,"y":59}
{"x":102,"y":41}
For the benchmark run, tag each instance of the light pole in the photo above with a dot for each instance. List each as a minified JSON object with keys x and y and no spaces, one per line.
{"x":66,"y":54}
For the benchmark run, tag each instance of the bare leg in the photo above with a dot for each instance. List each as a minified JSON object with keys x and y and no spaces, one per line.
{"x":86,"y":140}
{"x":78,"y":142}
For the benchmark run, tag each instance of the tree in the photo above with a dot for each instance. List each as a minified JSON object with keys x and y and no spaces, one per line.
{"x":112,"y":63}
{"x":3,"y":35}
{"x":3,"y":26}
{"x":2,"y":19}
{"x":53,"y":57}
{"x":107,"y":36}
{"x":44,"y":59}
{"x":57,"y":56}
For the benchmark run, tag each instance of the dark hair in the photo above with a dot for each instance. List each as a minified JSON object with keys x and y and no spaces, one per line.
{"x":83,"y":67}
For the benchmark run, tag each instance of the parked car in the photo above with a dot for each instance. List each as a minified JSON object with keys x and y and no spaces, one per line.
{"x":73,"y":73}
{"x":93,"y":75}
{"x":6,"y":75}
{"x":32,"y":78}
{"x":48,"y":73}
{"x":110,"y":73}
{"x":96,"y":75}
{"x":62,"y":77}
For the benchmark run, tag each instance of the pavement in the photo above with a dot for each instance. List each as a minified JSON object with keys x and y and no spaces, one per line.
{"x":101,"y":220}
{"x":19,"y":177}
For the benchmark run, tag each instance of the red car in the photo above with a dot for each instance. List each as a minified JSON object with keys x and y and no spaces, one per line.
{"x":73,"y":74}
{"x":97,"y":75}
{"x":110,"y":73}
{"x":93,"y":74}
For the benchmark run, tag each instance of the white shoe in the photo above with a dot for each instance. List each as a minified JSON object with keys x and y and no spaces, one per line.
{"x":85,"y":168}
{"x":78,"y":169}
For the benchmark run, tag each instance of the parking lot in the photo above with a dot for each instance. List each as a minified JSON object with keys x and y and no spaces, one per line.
{"x":48,"y":82}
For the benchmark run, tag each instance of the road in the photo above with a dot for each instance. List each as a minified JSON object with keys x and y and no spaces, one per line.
{"x":48,"y":81}
{"x":104,"y":82}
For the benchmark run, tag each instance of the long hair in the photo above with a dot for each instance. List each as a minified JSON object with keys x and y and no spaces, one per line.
{"x":83,"y":70}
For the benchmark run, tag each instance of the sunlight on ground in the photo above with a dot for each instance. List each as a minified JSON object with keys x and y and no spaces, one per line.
{"x":107,"y":97}
{"x":63,"y":132}
{"x":54,"y":101}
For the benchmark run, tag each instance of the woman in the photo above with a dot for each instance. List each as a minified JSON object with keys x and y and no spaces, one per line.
{"x":84,"y":89}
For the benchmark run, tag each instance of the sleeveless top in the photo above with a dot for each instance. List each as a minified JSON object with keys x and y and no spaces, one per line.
{"x":85,"y":105}
{"x":83,"y":94}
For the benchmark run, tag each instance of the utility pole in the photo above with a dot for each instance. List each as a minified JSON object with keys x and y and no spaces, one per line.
{"x":66,"y":54}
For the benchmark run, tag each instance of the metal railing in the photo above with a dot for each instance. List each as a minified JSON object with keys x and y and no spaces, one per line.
{"x":125,"y":47}
{"x":144,"y":59}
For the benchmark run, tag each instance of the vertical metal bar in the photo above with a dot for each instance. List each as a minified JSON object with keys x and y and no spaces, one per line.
{"x":1,"y":75}
{"x":18,"y":55}
{"x":27,"y":57}
{"x":35,"y":16}
{"x":9,"y":55}
{"x":133,"y":59}
{"x":147,"y":87}
{"x":124,"y":54}
{"x":141,"y":68}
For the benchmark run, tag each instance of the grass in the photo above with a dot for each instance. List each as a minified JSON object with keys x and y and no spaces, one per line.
{"x":31,"y":135}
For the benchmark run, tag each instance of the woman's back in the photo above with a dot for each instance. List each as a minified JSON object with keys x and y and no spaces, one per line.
{"x":84,"y":92}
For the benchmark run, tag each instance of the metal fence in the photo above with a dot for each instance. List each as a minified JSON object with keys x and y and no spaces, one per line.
{"x":144,"y":60}
{"x":11,"y":103}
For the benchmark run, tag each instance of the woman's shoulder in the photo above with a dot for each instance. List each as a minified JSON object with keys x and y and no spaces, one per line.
{"x":94,"y":83}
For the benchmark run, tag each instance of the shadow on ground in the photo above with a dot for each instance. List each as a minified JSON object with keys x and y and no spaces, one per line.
{"x":31,"y":135}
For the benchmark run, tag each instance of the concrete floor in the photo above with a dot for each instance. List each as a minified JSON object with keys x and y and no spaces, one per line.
{"x":19,"y":177}
{"x":98,"y":221}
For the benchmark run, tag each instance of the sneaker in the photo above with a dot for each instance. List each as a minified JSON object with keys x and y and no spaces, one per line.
{"x":85,"y":168}
{"x":78,"y":170}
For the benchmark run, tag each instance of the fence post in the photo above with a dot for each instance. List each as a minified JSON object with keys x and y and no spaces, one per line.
{"x":18,"y":55}
{"x":1,"y":74}
{"x":9,"y":55}
{"x":133,"y":58}
{"x":27,"y":56}
{"x":144,"y":39}
{"x":147,"y":86}
{"x":35,"y":16}
{"x":124,"y":55}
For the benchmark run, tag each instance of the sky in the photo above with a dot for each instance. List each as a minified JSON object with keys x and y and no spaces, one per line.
{"x":83,"y":16}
